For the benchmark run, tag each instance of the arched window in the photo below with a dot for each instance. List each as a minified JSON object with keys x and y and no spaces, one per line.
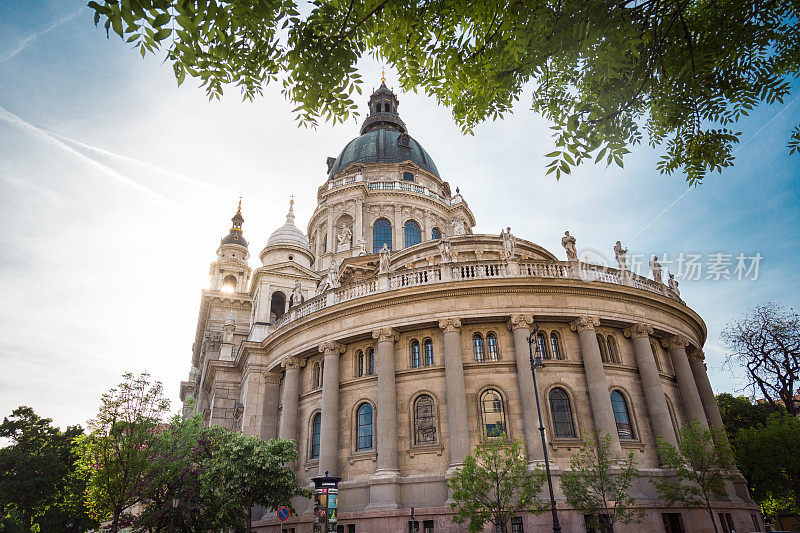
{"x":387,"y":108}
{"x":493,"y":413}
{"x":477,"y":347}
{"x":360,"y":363}
{"x":428,"y":352}
{"x":229,"y":283}
{"x":555,"y":348}
{"x":277,"y":306}
{"x":316,"y":376}
{"x":613,"y":353}
{"x":541,"y":344}
{"x":491,"y":346}
{"x":411,"y":234}
{"x":424,"y":420}
{"x":378,"y":108}
{"x":370,"y":361}
{"x":364,"y":427}
{"x":603,"y":349}
{"x":655,"y":356}
{"x":436,"y":233}
{"x":381,"y":234}
{"x":416,"y":355}
{"x":621,"y":416}
{"x":316,"y":424}
{"x":561,"y":413}
{"x":408,"y":176}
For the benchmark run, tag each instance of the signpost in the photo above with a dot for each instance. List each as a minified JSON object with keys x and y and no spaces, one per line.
{"x":283,"y":515}
{"x":326,"y":503}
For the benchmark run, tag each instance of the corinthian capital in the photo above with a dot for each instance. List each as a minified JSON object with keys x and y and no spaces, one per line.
{"x":293,"y":362}
{"x":674,"y":342}
{"x":697,"y":354}
{"x":450,"y":325}
{"x":638,"y":330}
{"x":331,"y":347}
{"x":520,"y":322}
{"x":582,"y":323}
{"x":385,"y":335}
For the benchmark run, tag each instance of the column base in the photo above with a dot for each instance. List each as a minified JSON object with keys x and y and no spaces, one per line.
{"x":384,"y":490}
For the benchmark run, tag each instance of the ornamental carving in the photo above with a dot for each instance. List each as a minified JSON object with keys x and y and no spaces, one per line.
{"x":450,"y":325}
{"x":638,"y":330}
{"x":269,"y":377}
{"x":582,"y":323}
{"x":675,"y":342}
{"x":385,"y":335}
{"x":520,"y":322}
{"x":332,"y":348}
{"x":293,"y":362}
{"x":697,"y":354}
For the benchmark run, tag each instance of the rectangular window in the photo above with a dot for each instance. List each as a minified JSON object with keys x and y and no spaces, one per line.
{"x":724,"y":523}
{"x":603,"y":520}
{"x":408,"y":176}
{"x":427,"y":526}
{"x":340,"y":528}
{"x":672,"y":523}
{"x":729,"y":518}
{"x":516,"y":525}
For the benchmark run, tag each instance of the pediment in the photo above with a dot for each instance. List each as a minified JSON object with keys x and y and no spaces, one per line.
{"x":289,"y":269}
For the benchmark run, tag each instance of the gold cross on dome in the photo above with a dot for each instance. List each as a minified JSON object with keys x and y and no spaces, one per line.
{"x":383,"y":76}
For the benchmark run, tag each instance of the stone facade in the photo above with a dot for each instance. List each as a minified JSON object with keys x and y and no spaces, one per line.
{"x":388,"y":377}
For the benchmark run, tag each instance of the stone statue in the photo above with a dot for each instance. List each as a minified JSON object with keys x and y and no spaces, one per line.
{"x":621,"y":253}
{"x":655,"y":268}
{"x":361,"y":246}
{"x":568,"y":242}
{"x":458,"y":227}
{"x":297,"y":294}
{"x":344,"y":236}
{"x":673,"y":285}
{"x":444,"y":248}
{"x":509,"y":242}
{"x":383,"y":264}
{"x":331,"y":280}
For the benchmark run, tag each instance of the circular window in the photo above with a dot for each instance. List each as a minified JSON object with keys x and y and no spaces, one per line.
{"x":291,"y":258}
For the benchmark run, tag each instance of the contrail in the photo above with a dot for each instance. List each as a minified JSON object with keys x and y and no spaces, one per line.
{"x":741,"y":145}
{"x":14,"y":120}
{"x":24,"y":42}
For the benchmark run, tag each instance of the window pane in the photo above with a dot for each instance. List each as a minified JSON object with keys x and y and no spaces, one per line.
{"x":416,"y":358}
{"x":381,"y":234}
{"x":364,"y":433}
{"x":424,"y":421}
{"x":491,"y":344}
{"x":624,"y":428}
{"x":408,"y":176}
{"x":541,"y":345}
{"x":554,"y":347}
{"x":371,"y":361}
{"x":315,"y":432}
{"x":436,"y":233}
{"x":360,"y":370}
{"x":561,"y":413}
{"x":494,"y":420}
{"x":603,"y":351}
{"x":428,"y":352}
{"x":412,"y":234}
{"x":477,"y":347}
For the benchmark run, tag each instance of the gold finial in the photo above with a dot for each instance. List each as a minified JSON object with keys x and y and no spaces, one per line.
{"x":383,"y":76}
{"x":239,"y":210}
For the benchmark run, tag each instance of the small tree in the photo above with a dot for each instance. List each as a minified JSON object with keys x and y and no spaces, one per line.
{"x":115,"y":456}
{"x":494,"y":484}
{"x":702,"y":462}
{"x":598,"y":484}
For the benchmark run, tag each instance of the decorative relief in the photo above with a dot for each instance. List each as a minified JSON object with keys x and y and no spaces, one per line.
{"x":582,"y":323}
{"x":697,"y":354}
{"x":674,"y":342}
{"x":385,"y":335}
{"x":450,"y":325}
{"x":269,"y":377}
{"x":293,"y":362}
{"x":638,"y":330}
{"x":332,"y":347}
{"x":520,"y":321}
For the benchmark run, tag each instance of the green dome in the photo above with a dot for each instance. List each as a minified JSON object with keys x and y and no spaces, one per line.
{"x":383,"y":146}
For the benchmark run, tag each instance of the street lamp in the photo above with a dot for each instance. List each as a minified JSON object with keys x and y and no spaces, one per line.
{"x":175,"y":502}
{"x":537,"y":363}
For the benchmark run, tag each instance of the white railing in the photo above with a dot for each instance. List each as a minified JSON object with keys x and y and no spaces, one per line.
{"x":405,"y":186}
{"x":431,"y":274}
{"x":347,"y":180}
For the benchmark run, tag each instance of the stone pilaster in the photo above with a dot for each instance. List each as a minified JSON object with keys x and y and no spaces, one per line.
{"x":397,"y":229}
{"x":358,"y":222}
{"x":660,"y":420}
{"x":269,"y":414}
{"x":329,"y":427}
{"x":331,"y":236}
{"x":599,"y":397}
{"x":456,"y":394}
{"x":520,"y":326}
{"x":676,"y":344}
{"x":287,"y":428}
{"x":384,"y":490}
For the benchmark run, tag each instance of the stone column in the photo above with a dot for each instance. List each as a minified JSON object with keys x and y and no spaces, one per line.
{"x":329,"y":427}
{"x":520,"y":328}
{"x":269,"y":410}
{"x":291,"y":397}
{"x":456,"y":394}
{"x":698,"y":366}
{"x":660,"y":420}
{"x":397,"y":234}
{"x":358,"y":222}
{"x":676,"y":344}
{"x":384,"y":490}
{"x":331,"y":231}
{"x":599,"y":397}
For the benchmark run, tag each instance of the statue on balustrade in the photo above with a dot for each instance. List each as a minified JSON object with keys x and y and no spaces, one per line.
{"x":458,"y":227}
{"x":331,"y":280}
{"x":297,"y":295}
{"x":568,"y":242}
{"x":673,"y":285}
{"x":509,"y":242}
{"x":444,"y":248}
{"x":621,"y":254}
{"x":383,"y":264}
{"x":655,"y":267}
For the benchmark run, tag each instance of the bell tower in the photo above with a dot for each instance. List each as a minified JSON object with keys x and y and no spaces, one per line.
{"x":230,"y":272}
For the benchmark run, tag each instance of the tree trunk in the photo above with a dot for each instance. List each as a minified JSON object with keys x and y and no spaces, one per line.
{"x":249,"y":517}
{"x":713,"y":522}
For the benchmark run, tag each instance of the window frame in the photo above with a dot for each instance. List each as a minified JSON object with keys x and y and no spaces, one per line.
{"x":380,"y":229}
{"x":412,"y":226}
{"x":478,"y":348}
{"x":492,"y":355}
{"x":436,"y":233}
{"x":434,"y":419}
{"x":358,"y":425}
{"x":428,"y":355}
{"x":360,"y":367}
{"x":483,"y":412}
{"x":628,"y":412}
{"x":556,"y":350}
{"x":416,"y":354}
{"x":541,"y":344}
{"x":554,"y":424}
{"x":601,"y":342}
{"x":316,"y":424}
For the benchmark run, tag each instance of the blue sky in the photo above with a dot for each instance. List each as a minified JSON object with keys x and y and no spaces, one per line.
{"x":116,"y":185}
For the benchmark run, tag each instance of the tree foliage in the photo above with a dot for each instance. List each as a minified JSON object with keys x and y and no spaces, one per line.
{"x":494,"y":484}
{"x":766,"y":343}
{"x":738,"y":413}
{"x":598,"y":485}
{"x":603,"y":72}
{"x":702,"y":463}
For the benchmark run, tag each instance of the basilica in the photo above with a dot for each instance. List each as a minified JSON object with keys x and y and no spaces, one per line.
{"x":388,"y":339}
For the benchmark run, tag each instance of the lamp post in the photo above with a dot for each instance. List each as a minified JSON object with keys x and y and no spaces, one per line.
{"x":175,"y":502}
{"x":537,"y":362}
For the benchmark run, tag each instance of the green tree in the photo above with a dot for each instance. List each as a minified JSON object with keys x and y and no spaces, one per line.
{"x":36,"y":468}
{"x":494,"y":484}
{"x":738,"y":412}
{"x":769,"y":458}
{"x":603,"y":72}
{"x":702,"y":463}
{"x":115,"y":455}
{"x":598,"y":485}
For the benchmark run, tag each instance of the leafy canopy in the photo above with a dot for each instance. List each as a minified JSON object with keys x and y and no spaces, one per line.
{"x":598,"y":484}
{"x":494,"y":484}
{"x":603,"y":72}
